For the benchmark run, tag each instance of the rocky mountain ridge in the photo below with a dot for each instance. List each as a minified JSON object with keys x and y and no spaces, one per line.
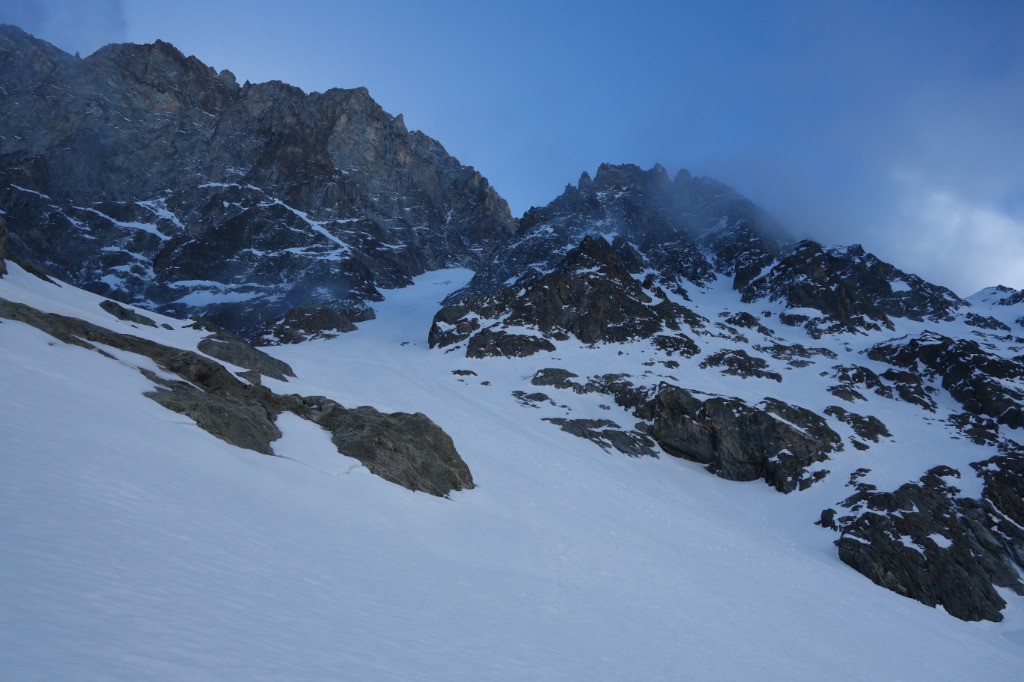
{"x":764,"y":358}
{"x":146,"y":176}
{"x":650,"y":315}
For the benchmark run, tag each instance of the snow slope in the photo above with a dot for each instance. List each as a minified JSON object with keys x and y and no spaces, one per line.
{"x":135,"y":546}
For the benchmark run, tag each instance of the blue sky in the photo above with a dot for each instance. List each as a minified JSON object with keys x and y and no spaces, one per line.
{"x":899,"y":125}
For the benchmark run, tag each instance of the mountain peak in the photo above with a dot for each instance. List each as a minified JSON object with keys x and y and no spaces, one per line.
{"x":629,"y":176}
{"x":585,"y":183}
{"x":277,"y":202}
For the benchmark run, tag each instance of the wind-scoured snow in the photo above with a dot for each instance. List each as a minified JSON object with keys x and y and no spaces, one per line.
{"x":135,"y":545}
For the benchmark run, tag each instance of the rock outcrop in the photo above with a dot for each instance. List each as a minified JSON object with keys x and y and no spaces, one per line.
{"x":737,"y":362}
{"x":852,"y":288}
{"x":589,"y":295}
{"x":126,"y":314}
{"x":607,"y":434}
{"x":407,"y":449}
{"x":982,"y":382}
{"x":774,"y":441}
{"x":924,"y":541}
{"x":227,"y":347}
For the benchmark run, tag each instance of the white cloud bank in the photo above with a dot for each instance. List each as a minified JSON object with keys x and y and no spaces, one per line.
{"x":962,"y":244}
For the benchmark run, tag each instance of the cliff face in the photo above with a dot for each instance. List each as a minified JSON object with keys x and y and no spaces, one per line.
{"x":145,"y":175}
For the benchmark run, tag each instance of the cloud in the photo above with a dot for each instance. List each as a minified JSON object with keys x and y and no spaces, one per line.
{"x":956,"y":242}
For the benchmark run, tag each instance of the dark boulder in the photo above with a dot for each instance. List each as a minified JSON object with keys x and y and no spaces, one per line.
{"x":557,"y":378}
{"x":678,"y":342}
{"x":775,"y":441}
{"x":407,"y":449}
{"x":126,"y":314}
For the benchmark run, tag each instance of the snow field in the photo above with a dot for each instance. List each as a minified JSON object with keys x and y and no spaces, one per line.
{"x":136,"y":546}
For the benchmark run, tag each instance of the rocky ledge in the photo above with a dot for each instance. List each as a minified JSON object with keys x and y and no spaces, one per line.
{"x":407,"y":449}
{"x":927,"y":542}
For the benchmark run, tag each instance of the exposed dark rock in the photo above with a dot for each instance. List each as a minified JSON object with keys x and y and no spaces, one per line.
{"x":793,"y":319}
{"x":906,"y":386}
{"x":671,"y":222}
{"x":589,"y":295}
{"x":846,"y":392}
{"x":245,"y":422}
{"x":490,"y":343}
{"x":1002,"y":497}
{"x":776,"y":442}
{"x":982,"y":322}
{"x":925,"y":542}
{"x":867,"y":427}
{"x":746,"y":321}
{"x":216,"y":400}
{"x":302,"y":322}
{"x":1013,"y":298}
{"x":31,"y":267}
{"x":146,"y":176}
{"x":607,"y":434}
{"x":737,"y":363}
{"x":407,"y":449}
{"x":909,"y":387}
{"x":731,"y":333}
{"x":558,"y":378}
{"x":828,"y":519}
{"x":853,"y":288}
{"x":464,"y":372}
{"x":451,"y":325}
{"x":530,"y":399}
{"x":676,"y":343}
{"x":795,"y":355}
{"x":126,"y":314}
{"x":980,"y":381}
{"x":228,"y":347}
{"x":979,"y":429}
{"x":620,"y":388}
{"x":559,"y":276}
